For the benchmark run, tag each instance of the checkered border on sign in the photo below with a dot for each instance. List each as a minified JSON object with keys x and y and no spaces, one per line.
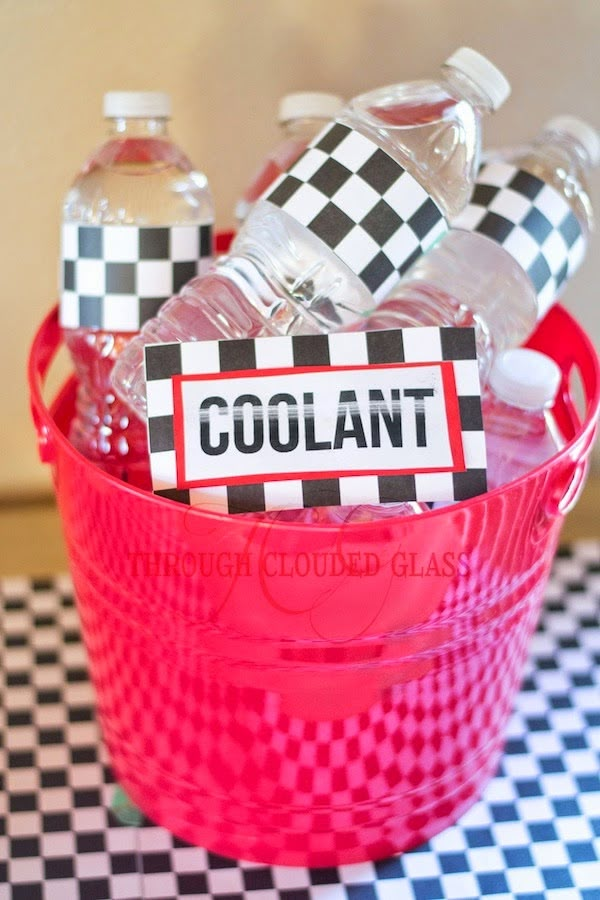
{"x":163,"y":361}
{"x":116,"y":277}
{"x":363,"y":204}
{"x":532,"y":221}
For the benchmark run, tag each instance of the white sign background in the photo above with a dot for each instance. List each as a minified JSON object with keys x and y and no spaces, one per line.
{"x":198,"y":468}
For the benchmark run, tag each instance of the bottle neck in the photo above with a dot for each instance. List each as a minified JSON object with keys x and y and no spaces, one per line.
{"x":137,"y":128}
{"x":461,"y":86}
{"x":502,"y":416}
{"x":566,"y":147}
{"x":507,"y":403}
{"x":303,"y":128}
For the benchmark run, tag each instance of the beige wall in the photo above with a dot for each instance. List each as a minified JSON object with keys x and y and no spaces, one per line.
{"x":226,"y":63}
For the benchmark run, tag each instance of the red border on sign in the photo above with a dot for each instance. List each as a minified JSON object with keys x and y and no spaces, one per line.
{"x":450,"y":402}
{"x":453,"y":416}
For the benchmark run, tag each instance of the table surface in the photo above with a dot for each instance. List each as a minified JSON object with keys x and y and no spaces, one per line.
{"x":535,"y":833}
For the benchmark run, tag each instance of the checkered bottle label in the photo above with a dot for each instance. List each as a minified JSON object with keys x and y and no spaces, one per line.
{"x":532,"y":221}
{"x":115,"y":277}
{"x":362,"y":204}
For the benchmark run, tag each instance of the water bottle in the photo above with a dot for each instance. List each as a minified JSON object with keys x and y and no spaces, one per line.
{"x":340,"y":515}
{"x":332,"y":236}
{"x":300,"y":116}
{"x":137,"y":225}
{"x":371,"y":512}
{"x":512,"y":249}
{"x":520,"y":430}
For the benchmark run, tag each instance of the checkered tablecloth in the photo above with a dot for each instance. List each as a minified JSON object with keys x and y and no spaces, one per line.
{"x":535,"y":834}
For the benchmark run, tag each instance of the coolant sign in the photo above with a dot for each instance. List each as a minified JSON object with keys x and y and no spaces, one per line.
{"x":283,"y":422}
{"x":291,"y":424}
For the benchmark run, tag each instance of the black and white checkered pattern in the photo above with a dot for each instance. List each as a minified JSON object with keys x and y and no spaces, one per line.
{"x":430,"y":344}
{"x":362,"y":204}
{"x":534,"y":834}
{"x":116,"y":277}
{"x":532,"y":221}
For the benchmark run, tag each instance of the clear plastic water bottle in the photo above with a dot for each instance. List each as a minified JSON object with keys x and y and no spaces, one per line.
{"x":371,"y":512}
{"x":513,"y":248}
{"x":341,"y":515}
{"x":521,"y":432}
{"x":332,"y":236}
{"x":300,"y":116}
{"x":137,"y":225}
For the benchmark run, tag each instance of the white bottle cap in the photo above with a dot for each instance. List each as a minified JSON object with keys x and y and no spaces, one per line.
{"x":242,"y":209}
{"x":484,"y":73}
{"x":137,"y":105}
{"x":525,"y":378}
{"x":581,"y":131}
{"x":309,"y":105}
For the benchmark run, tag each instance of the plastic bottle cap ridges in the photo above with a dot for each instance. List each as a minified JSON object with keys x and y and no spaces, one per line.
{"x":479,"y":68}
{"x":525,"y":378}
{"x":137,"y":105}
{"x":309,"y":105}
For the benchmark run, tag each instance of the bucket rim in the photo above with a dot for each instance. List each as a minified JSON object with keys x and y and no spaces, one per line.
{"x":48,"y":339}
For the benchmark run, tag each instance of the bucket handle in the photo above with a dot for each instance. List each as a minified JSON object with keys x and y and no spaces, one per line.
{"x":577,"y":352}
{"x":44,"y":348}
{"x":574,"y":488}
{"x":573,"y":351}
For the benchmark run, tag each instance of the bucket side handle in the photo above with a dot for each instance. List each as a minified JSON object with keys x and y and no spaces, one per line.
{"x":560,"y":337}
{"x":574,"y":488}
{"x":44,"y":348}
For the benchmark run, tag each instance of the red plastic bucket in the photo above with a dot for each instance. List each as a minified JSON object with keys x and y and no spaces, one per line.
{"x":310,"y":695}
